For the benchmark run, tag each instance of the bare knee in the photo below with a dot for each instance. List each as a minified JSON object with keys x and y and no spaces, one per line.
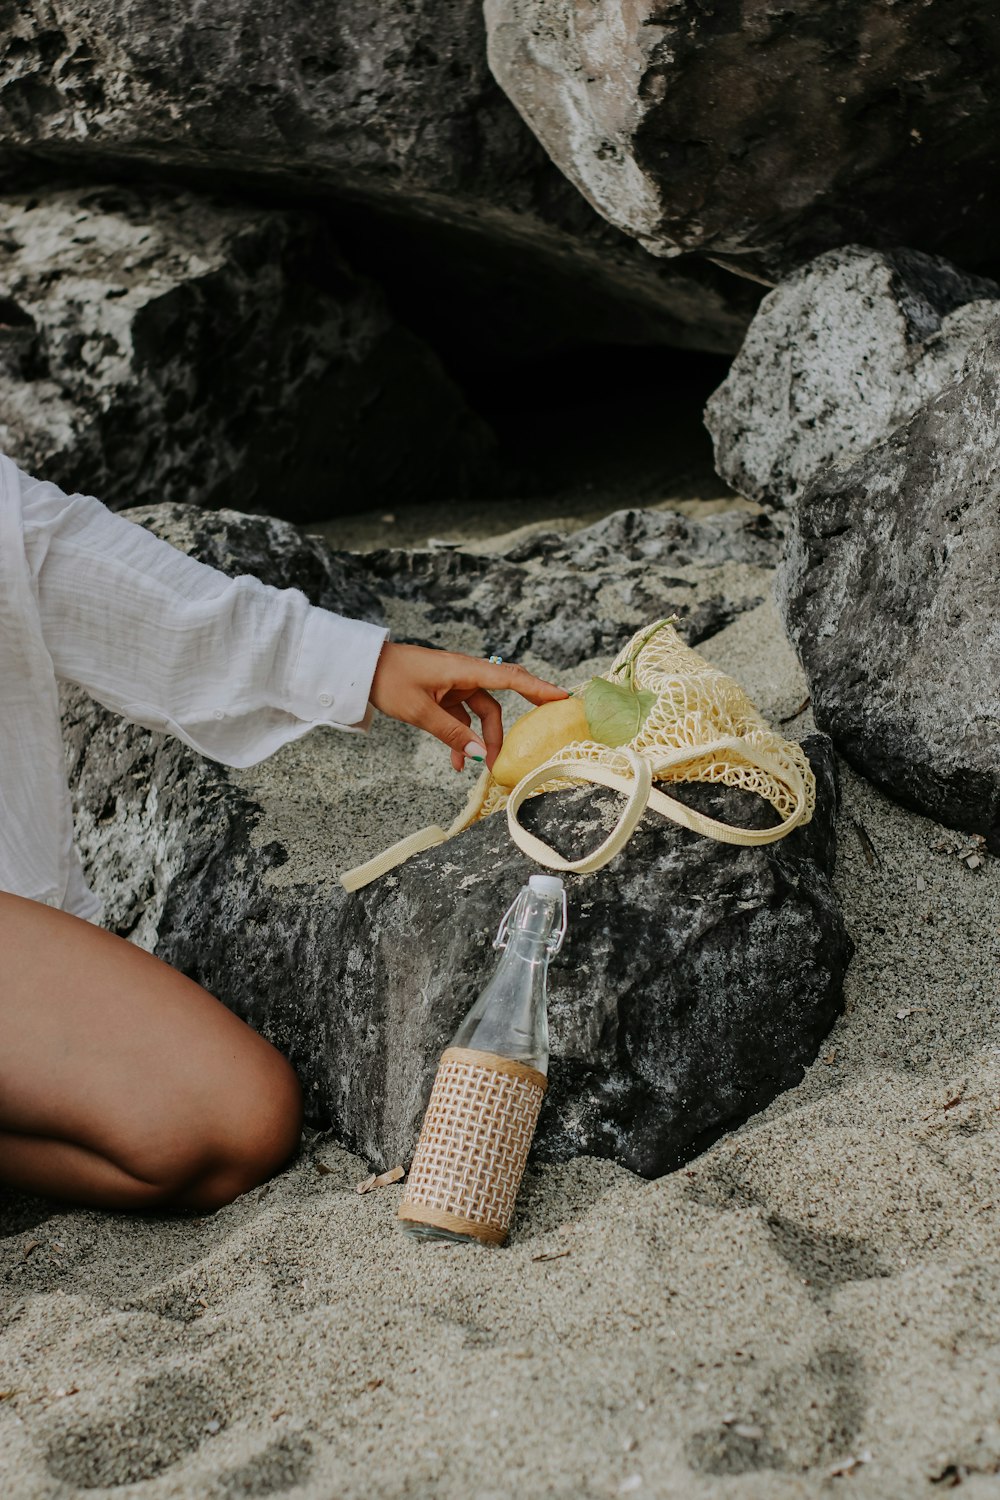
{"x":251,"y":1136}
{"x":259,"y":1144}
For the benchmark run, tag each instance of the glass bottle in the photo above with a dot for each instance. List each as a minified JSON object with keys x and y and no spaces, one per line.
{"x":489,"y":1085}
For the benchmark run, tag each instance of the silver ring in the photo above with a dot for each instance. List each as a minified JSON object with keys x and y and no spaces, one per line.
{"x":496,"y":661}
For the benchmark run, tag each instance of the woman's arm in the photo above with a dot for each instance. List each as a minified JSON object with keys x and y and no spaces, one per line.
{"x":233,"y":667}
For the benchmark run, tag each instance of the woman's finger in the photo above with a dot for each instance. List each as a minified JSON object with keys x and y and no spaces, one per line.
{"x":508,"y":676}
{"x":444,"y":726}
{"x":460,"y":713}
{"x":487,"y":710}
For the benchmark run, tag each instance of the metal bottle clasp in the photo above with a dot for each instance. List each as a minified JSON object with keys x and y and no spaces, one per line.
{"x":556,"y":937}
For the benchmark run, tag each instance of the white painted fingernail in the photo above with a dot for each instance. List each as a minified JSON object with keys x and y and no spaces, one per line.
{"x":474,"y":751}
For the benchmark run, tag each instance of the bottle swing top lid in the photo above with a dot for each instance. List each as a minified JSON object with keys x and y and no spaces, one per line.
{"x":550,"y":888}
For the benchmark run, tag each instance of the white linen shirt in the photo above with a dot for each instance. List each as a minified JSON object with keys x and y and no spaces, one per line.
{"x":231,"y":666}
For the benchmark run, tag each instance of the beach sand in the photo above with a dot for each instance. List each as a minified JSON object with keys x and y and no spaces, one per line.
{"x":811,"y":1307}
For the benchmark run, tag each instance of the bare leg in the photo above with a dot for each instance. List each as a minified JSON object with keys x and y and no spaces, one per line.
{"x":123,"y":1084}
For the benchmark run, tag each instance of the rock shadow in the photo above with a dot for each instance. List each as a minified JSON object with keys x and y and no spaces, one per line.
{"x":20,"y":1211}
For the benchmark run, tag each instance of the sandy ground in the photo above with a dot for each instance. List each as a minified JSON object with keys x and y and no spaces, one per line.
{"x":812,"y":1307}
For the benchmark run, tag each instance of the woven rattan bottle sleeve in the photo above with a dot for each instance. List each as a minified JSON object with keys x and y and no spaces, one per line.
{"x":473,"y":1144}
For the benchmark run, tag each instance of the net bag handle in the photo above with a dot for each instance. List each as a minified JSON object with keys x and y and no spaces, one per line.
{"x":641,"y":794}
{"x":636,"y":788}
{"x":416,"y":843}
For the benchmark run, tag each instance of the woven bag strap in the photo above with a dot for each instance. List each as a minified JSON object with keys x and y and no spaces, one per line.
{"x":641,"y":794}
{"x":416,"y":843}
{"x":728,"y":833}
{"x":636,"y":788}
{"x":396,"y":854}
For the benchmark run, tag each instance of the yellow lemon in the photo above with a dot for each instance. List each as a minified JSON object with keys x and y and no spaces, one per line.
{"x":540,"y":733}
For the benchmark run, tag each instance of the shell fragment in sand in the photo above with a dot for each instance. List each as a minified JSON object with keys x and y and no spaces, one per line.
{"x":383,"y":1179}
{"x":848,"y":1465}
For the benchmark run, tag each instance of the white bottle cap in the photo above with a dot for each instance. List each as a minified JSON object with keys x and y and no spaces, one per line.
{"x":546,"y":885}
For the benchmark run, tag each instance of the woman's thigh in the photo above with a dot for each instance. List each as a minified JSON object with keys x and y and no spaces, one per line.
{"x":107,"y":1047}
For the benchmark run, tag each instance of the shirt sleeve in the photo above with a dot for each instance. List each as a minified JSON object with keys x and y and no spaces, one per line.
{"x":233,"y":667}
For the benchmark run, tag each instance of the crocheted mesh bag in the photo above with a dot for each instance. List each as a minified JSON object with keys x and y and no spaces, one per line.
{"x":701,"y":727}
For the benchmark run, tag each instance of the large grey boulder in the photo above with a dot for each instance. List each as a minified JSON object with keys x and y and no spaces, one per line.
{"x":698,"y":981}
{"x":165,"y":346}
{"x":890,"y":594}
{"x":839,"y":355}
{"x":392,"y":105}
{"x":763,"y":135}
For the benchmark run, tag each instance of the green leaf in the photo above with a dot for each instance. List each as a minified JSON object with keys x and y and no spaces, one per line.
{"x":615,"y":713}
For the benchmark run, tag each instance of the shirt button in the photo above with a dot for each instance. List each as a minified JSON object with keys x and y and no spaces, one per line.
{"x":326,"y":699}
{"x":217,"y":713}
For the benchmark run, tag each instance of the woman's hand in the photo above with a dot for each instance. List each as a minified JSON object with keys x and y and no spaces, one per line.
{"x":440,"y":691}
